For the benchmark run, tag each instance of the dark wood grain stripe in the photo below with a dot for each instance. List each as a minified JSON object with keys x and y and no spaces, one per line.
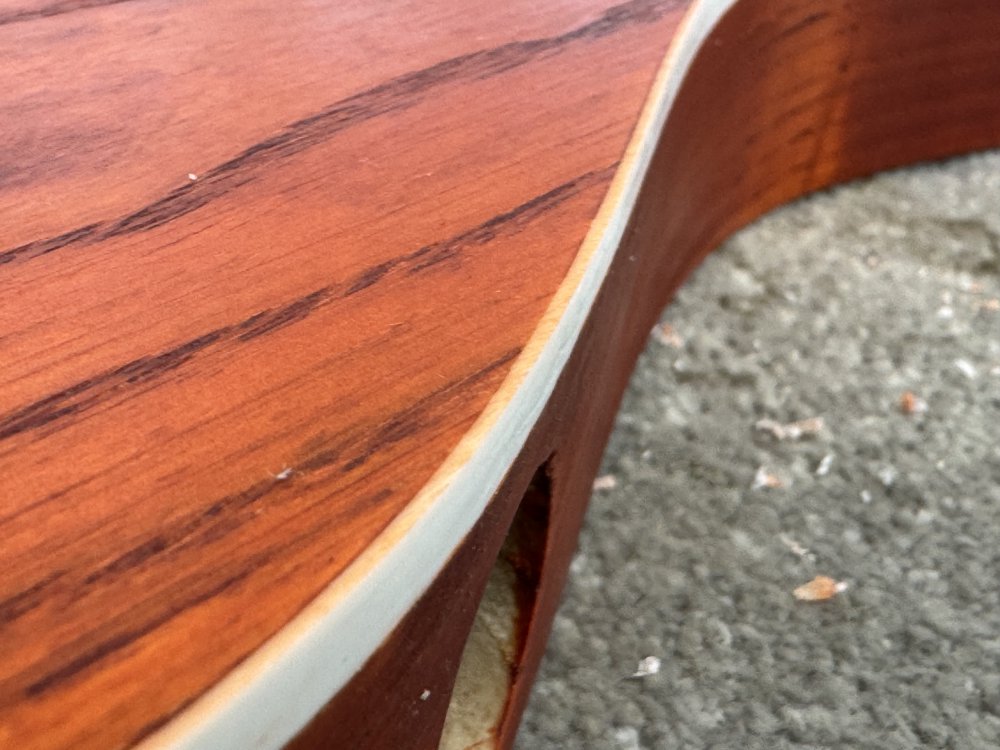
{"x":24,"y":601}
{"x":88,"y":393}
{"x":351,"y":451}
{"x":391,"y":96}
{"x":117,"y":383}
{"x":418,"y":416}
{"x":54,"y":9}
{"x":805,"y":23}
{"x":223,"y":516}
{"x":119,"y":641}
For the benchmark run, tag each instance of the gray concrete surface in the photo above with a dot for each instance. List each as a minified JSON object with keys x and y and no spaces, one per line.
{"x":834,"y":308}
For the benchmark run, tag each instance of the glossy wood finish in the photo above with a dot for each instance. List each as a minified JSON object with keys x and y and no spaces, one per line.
{"x":339,"y":292}
{"x":217,"y":392}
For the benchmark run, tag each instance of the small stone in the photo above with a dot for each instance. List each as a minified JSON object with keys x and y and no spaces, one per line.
{"x":606,"y":482}
{"x":627,"y":738}
{"x":819,"y":589}
{"x":887,"y":475}
{"x":967,"y":368}
{"x":765,"y":480}
{"x":824,"y":465}
{"x":666,"y":335}
{"x":648,"y":666}
{"x":791,"y":430}
{"x":910,"y":403}
{"x":796,"y":548}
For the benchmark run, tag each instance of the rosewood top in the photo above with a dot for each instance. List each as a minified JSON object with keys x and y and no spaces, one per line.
{"x":262,"y":265}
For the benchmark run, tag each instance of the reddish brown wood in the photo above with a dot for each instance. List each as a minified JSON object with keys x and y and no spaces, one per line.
{"x":386,"y":199}
{"x":170,"y":345}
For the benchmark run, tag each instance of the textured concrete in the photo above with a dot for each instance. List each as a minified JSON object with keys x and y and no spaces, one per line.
{"x":834,"y":308}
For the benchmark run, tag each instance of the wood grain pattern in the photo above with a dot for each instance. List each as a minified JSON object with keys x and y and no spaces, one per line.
{"x":217,"y":390}
{"x":171,"y":346}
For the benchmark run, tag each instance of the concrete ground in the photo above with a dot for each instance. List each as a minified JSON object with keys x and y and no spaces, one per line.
{"x":832,"y":308}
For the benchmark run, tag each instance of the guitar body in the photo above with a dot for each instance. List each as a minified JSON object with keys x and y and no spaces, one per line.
{"x":316,"y":317}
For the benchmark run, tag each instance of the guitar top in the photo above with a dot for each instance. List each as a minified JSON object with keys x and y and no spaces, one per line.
{"x":263,"y":266}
